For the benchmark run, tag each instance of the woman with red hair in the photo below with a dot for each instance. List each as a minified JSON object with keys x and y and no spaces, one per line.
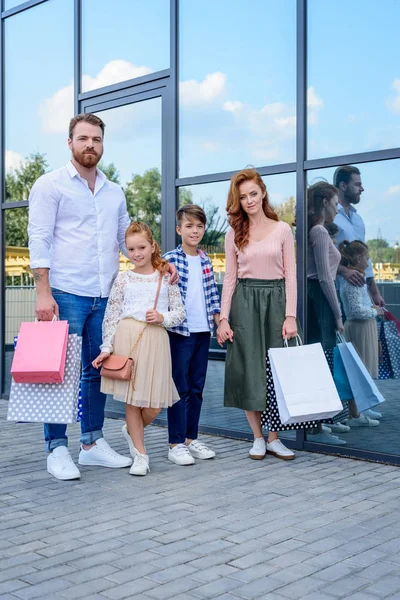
{"x":258,"y":308}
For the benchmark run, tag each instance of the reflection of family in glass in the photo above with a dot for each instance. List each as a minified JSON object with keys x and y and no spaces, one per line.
{"x":78,"y":222}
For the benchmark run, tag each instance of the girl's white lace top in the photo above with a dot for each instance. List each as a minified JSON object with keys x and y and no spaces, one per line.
{"x":132,"y":295}
{"x":356,"y":301}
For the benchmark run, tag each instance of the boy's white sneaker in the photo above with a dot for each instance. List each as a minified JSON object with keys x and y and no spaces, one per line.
{"x":102,"y":455}
{"x":258,"y":450}
{"x":339,"y":428}
{"x":180,"y":455}
{"x":199,"y":450}
{"x":362,"y":421}
{"x":140,"y":464}
{"x":61,"y":465}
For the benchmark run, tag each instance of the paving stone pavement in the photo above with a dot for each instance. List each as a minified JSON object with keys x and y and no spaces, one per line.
{"x":319,"y":527}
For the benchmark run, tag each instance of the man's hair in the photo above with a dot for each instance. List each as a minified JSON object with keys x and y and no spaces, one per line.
{"x":85,"y":118}
{"x":344,"y":174}
{"x":191,"y":211}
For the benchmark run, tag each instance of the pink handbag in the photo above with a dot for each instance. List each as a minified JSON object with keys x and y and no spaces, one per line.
{"x":41,"y":352}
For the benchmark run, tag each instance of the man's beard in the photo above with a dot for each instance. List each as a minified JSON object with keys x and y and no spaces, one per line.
{"x":87,"y":160}
{"x":353,"y":198}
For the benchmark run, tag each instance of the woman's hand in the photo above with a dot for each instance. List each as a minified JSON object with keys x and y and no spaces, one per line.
{"x":339,"y":325}
{"x":152,"y":316}
{"x":97,"y":363}
{"x":224,"y":332}
{"x":289,"y":328}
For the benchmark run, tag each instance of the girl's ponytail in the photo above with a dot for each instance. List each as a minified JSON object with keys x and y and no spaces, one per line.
{"x":350,"y":251}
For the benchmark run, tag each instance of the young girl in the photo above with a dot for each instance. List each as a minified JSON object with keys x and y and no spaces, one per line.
{"x":132,"y":327}
{"x":360,"y":326}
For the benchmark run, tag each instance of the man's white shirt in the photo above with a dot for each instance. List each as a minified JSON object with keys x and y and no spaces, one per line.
{"x":77,"y":234}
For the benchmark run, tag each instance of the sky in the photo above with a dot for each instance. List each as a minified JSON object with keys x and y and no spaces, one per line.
{"x":237,"y":72}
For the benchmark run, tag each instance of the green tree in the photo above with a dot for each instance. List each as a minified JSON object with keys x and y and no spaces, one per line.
{"x":143,"y":196}
{"x":380,"y":251}
{"x":110,"y":171}
{"x":287,"y":211}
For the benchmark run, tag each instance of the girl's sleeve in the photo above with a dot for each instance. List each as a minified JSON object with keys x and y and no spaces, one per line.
{"x":113,"y":314}
{"x":321,"y":243}
{"x":176,"y":314}
{"x":231,"y":269}
{"x":289,"y":268}
{"x":357,"y":307}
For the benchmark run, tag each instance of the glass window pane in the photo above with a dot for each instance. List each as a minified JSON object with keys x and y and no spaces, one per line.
{"x":11,"y":4}
{"x":238,"y":90}
{"x":123,"y":40}
{"x":353,"y":77}
{"x":132,"y":158}
{"x":212,"y":197}
{"x":39,"y":95}
{"x":19,"y":290}
{"x":375,"y":192}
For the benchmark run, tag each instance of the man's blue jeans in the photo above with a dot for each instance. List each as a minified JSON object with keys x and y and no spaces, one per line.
{"x":189,"y":368}
{"x":85,"y":318}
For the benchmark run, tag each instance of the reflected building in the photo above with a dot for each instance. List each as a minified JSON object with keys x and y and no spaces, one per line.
{"x":187,"y":101}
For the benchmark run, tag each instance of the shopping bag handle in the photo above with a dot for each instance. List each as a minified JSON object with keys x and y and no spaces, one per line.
{"x":299,"y":341}
{"x":53,"y":319}
{"x":340,"y":338}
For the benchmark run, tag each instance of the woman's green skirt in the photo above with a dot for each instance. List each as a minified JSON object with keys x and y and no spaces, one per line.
{"x":256,"y":318}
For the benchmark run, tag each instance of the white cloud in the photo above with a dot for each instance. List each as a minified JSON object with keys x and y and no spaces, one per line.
{"x":314,"y":105}
{"x":394,"y":101}
{"x":13,"y":160}
{"x":56,"y":111}
{"x":393,"y":190}
{"x":194,"y":93}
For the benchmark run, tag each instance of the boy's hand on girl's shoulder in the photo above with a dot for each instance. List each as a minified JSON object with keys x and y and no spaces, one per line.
{"x":153,"y":316}
{"x":174,"y":274}
{"x":97,"y":363}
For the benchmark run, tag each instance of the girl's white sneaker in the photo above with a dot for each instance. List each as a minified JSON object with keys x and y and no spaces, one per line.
{"x":140,"y":465}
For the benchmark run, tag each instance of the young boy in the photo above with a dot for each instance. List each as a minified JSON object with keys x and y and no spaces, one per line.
{"x":191,"y":340}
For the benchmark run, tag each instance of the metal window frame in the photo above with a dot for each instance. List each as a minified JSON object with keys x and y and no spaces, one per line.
{"x":165,"y":83}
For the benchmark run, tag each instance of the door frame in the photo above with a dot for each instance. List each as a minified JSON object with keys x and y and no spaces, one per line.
{"x":161,"y":88}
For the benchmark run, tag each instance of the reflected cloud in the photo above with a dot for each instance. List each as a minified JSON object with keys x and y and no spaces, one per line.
{"x":194,"y":93}
{"x":13,"y":160}
{"x":393,"y":190}
{"x":314,"y":105}
{"x":394,"y":101}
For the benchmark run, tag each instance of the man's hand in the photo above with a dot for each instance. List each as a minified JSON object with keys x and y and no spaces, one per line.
{"x":378,"y":300}
{"x":174,"y":274}
{"x":352,"y":276}
{"x":46,"y":307}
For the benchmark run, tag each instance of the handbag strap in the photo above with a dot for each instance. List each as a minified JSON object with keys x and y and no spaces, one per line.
{"x":154,"y":308}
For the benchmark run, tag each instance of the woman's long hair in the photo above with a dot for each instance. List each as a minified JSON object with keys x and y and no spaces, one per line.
{"x":237,"y":217}
{"x":142,"y":229}
{"x":316,"y":194}
{"x":350,"y":251}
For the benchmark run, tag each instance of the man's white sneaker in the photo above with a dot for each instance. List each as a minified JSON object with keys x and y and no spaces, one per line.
{"x":140,"y":464}
{"x":258,"y":450}
{"x":199,"y":450}
{"x":102,"y":455}
{"x":339,"y":428}
{"x":61,"y":465}
{"x":362,"y":421}
{"x":128,"y":438}
{"x":180,"y":455}
{"x":372,"y":414}
{"x":279,"y":450}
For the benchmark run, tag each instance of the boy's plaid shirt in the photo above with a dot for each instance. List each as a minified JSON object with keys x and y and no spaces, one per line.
{"x":178,"y":258}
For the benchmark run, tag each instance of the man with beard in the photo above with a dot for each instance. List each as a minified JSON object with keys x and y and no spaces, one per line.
{"x":77,"y":224}
{"x":347,"y":179}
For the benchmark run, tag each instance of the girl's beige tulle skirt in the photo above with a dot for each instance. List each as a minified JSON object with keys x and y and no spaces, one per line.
{"x":152,"y":385}
{"x":364,"y":337}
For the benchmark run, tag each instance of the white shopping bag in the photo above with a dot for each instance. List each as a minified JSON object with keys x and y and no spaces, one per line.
{"x":49,"y":402}
{"x":304,"y":386}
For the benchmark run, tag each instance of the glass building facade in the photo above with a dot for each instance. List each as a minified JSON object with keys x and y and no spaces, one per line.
{"x":190,"y":92}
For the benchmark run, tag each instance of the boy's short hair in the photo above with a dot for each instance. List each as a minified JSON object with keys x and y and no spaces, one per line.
{"x":190,"y":211}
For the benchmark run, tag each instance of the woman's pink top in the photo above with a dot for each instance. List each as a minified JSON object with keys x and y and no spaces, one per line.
{"x":271,"y":258}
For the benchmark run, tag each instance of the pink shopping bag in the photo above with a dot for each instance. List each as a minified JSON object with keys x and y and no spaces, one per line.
{"x":40,"y":353}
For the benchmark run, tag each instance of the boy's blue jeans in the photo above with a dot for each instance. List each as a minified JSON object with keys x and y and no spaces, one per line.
{"x":85,"y":318}
{"x":189,"y":367}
